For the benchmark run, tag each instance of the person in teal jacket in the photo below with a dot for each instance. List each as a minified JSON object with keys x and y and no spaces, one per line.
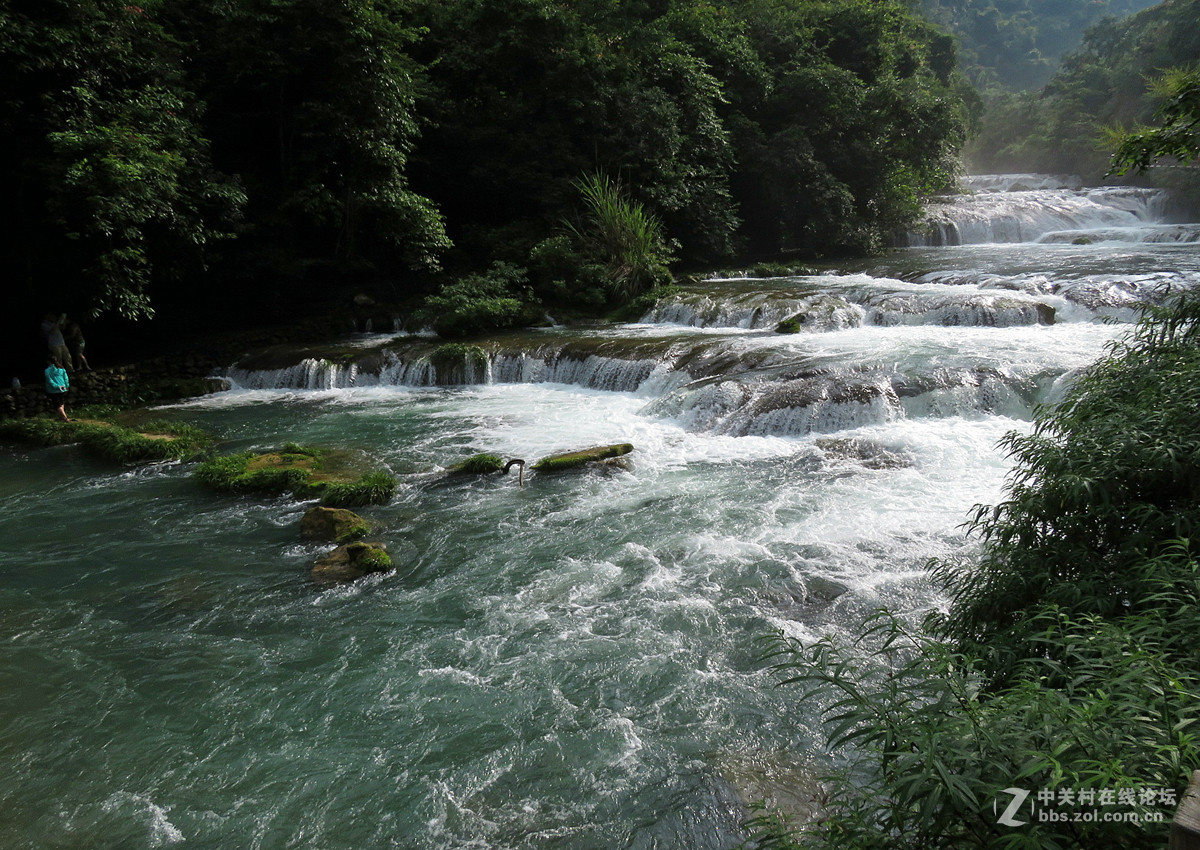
{"x":57,"y":384}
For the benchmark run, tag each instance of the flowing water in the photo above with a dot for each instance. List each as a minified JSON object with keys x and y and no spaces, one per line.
{"x":570,"y":664}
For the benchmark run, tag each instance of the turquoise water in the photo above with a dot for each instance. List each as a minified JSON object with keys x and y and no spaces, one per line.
{"x":575,"y":663}
{"x":569,"y":664}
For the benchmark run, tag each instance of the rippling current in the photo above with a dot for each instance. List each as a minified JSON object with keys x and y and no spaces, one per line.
{"x":570,"y":664}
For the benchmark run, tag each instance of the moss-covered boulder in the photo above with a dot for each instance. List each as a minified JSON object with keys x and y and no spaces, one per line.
{"x":583,"y":457}
{"x":332,"y":525}
{"x":306,"y":472}
{"x":151,"y":441}
{"x":351,"y":561}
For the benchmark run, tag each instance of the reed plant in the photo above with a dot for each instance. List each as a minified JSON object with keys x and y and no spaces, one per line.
{"x":622,"y":235}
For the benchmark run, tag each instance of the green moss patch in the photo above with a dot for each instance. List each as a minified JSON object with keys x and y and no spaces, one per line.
{"x":151,"y":441}
{"x":573,"y":460}
{"x":480,"y":464}
{"x":306,"y":472}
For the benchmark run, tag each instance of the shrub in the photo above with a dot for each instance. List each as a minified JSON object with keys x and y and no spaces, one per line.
{"x":930,"y":750}
{"x":480,"y":303}
{"x":1100,"y":486}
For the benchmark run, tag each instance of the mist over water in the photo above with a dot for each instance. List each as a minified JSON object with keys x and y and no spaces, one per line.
{"x":574,"y":663}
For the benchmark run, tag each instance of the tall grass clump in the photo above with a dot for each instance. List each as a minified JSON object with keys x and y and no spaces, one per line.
{"x":374,"y":488}
{"x":625,"y":238}
{"x":154,"y":441}
{"x":1066,"y":661}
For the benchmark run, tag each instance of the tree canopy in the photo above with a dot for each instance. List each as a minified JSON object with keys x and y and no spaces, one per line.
{"x":174,"y":155}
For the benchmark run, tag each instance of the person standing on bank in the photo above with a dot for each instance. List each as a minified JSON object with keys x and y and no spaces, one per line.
{"x":76,"y":342}
{"x":52,"y":331}
{"x":57,"y":384}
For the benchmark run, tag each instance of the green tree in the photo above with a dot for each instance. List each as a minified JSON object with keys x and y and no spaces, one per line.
{"x":110,"y":182}
{"x":313,"y":104}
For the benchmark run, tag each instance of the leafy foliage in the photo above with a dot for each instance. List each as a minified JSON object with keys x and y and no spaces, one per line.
{"x":179,"y":156}
{"x":478,"y":303}
{"x":1103,"y":483}
{"x":1178,"y":135}
{"x":931,"y":749}
{"x":107,"y":162}
{"x":1017,"y":44}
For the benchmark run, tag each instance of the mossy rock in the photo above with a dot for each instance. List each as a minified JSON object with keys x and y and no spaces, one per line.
{"x":352,"y":561}
{"x":151,"y":441}
{"x":480,"y":464}
{"x":336,"y":525}
{"x":306,"y":472}
{"x":574,"y":460}
{"x":789,"y":326}
{"x":459,"y":363}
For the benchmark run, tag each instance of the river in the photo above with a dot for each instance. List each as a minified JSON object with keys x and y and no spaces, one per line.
{"x":574,"y":663}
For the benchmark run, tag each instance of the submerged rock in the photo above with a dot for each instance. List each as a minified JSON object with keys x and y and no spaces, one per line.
{"x":336,"y":525}
{"x":573,"y":460}
{"x":869,"y":454}
{"x":352,"y":561}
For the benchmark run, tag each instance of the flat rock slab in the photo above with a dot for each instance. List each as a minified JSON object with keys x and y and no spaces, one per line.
{"x":576,"y":459}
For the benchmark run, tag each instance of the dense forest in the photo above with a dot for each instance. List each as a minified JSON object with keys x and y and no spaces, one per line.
{"x":1111,"y":83}
{"x":217,"y":161}
{"x":1009,"y":45}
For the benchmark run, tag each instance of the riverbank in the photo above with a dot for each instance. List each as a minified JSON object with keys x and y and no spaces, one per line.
{"x":191,"y":369}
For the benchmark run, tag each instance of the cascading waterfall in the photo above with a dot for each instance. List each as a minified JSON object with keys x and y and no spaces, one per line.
{"x":985,"y":214}
{"x":572,"y":663}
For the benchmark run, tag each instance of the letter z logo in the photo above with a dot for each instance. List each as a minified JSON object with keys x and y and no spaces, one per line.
{"x":1018,"y":795}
